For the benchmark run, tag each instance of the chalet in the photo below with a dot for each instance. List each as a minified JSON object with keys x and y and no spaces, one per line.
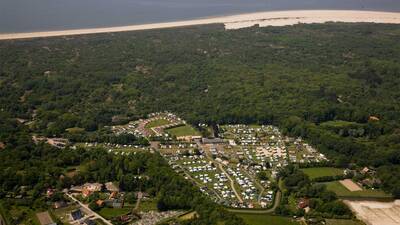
{"x":100,"y":203}
{"x":59,"y":204}
{"x":86,"y":192}
{"x":93,"y":187}
{"x":365,"y":170}
{"x":303,"y":203}
{"x":373,"y":118}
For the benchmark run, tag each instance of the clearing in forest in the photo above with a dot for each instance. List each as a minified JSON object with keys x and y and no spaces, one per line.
{"x":322,"y":172}
{"x":184,"y":130}
{"x":157,"y":123}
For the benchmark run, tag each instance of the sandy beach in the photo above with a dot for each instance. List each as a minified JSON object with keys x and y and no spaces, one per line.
{"x":277,"y":18}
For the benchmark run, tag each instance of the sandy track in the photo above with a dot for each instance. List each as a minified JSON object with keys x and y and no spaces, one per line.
{"x":277,"y":18}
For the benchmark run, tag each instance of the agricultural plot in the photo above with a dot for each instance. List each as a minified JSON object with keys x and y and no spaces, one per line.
{"x":317,"y":172}
{"x":342,"y":191}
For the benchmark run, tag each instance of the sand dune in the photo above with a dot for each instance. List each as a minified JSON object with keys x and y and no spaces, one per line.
{"x":277,"y":18}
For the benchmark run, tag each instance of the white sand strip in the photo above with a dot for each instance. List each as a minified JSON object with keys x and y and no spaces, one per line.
{"x":277,"y":18}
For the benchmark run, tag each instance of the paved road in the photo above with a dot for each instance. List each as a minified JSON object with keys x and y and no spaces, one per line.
{"x":88,"y":209}
{"x":260,"y":211}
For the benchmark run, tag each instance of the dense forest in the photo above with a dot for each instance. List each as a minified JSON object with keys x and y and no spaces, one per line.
{"x":337,"y":85}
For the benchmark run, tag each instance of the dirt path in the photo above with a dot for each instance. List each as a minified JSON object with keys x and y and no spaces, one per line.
{"x":231,"y":181}
{"x":139,"y":197}
{"x":258,"y":184}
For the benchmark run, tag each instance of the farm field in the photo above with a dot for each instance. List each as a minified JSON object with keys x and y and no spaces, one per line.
{"x":322,"y":172}
{"x":185,"y":130}
{"x":265,"y":219}
{"x":342,"y":191}
{"x":343,"y":222}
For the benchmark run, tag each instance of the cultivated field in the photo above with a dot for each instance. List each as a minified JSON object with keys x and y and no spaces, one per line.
{"x":342,"y":191}
{"x":350,"y":185}
{"x":376,"y":213}
{"x":322,"y":172}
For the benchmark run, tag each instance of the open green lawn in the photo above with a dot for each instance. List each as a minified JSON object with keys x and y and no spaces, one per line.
{"x":338,"y":123}
{"x":184,"y":130}
{"x":322,"y":172}
{"x":343,"y":222}
{"x":148,"y":205}
{"x":157,"y":123}
{"x":342,"y":191}
{"x":265,"y":219}
{"x":188,"y":216}
{"x":109,"y":213}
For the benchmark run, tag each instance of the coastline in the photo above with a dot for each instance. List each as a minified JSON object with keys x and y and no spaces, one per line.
{"x":270,"y":18}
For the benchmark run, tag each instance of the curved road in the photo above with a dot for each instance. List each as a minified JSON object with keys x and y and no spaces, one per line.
{"x":260,"y":211}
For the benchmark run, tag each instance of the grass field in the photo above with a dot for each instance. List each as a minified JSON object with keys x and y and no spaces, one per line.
{"x":342,"y":191}
{"x":109,"y":213}
{"x":265,"y":219}
{"x":184,"y":130}
{"x":338,"y":123}
{"x":322,"y":172}
{"x":342,"y":222}
{"x":148,"y":205}
{"x":187,"y":216}
{"x":157,"y":123}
